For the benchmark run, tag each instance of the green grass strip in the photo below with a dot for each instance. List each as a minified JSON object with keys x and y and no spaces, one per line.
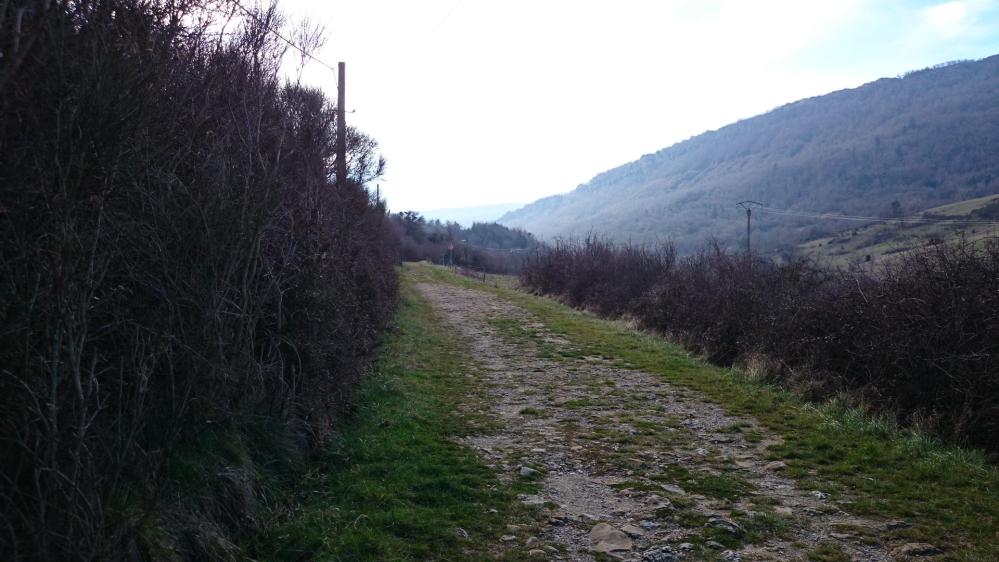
{"x":395,"y":485}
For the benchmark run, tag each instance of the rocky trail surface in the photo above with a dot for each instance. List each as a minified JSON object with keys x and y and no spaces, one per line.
{"x":630,"y":467}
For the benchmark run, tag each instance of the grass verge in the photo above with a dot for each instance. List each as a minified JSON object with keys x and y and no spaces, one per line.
{"x":949,"y":496}
{"x":396,"y":485}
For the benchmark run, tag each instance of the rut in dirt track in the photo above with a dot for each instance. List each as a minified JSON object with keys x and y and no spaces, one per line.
{"x":631,"y":466}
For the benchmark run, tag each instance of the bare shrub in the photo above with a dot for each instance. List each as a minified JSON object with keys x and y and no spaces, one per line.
{"x":918,"y":339}
{"x":594,"y":273}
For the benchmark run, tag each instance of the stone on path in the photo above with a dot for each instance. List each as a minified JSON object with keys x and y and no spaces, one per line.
{"x":528,"y":472}
{"x":726,"y":525}
{"x":774,"y":466}
{"x":661,"y":554}
{"x":914,"y":549}
{"x":633,"y":531}
{"x":605,"y":538}
{"x":531,"y":500}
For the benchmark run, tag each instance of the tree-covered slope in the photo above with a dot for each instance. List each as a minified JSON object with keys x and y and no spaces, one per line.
{"x":928,"y":138}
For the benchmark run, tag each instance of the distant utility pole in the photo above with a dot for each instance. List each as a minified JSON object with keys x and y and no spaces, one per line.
{"x":748,"y":206}
{"x":341,"y":129}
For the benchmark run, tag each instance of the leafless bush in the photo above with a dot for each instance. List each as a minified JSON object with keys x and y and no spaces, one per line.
{"x":595,"y":273}
{"x":175,"y":259}
{"x":919,"y":338}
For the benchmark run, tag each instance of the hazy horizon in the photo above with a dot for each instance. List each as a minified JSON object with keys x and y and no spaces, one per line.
{"x":480,"y":103}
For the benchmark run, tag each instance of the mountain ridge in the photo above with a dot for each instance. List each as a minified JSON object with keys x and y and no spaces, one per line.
{"x":925,"y":138}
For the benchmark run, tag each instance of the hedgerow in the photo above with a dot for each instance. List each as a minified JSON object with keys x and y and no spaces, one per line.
{"x":917,"y":337}
{"x":186,"y":296}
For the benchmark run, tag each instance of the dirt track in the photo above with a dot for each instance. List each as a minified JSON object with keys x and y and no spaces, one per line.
{"x":658,"y":464}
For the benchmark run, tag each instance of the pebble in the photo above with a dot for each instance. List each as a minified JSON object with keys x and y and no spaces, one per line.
{"x":774,"y":466}
{"x":726,"y":525}
{"x":605,"y":538}
{"x":633,"y":531}
{"x":661,"y":554}
{"x":537,"y":553}
{"x":916,"y":549}
{"x":686,"y":546}
{"x":674,"y":489}
{"x":531,"y":500}
{"x":529,"y":472}
{"x":462,"y":534}
{"x":702,"y":451}
{"x":532,"y":541}
{"x":714,"y":545}
{"x":731,"y":556}
{"x":508,"y":538}
{"x":821,"y":496}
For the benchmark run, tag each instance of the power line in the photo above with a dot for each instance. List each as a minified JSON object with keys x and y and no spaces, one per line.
{"x":451,"y":11}
{"x":860,"y":218}
{"x":277,"y":34}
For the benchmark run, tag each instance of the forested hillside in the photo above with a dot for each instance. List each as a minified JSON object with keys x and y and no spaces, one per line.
{"x":924,"y":139}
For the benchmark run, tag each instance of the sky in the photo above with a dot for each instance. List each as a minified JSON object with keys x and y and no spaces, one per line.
{"x":477,"y":102}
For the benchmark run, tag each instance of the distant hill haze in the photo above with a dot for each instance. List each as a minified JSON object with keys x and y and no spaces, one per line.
{"x":467,"y":216}
{"x":893,"y":146}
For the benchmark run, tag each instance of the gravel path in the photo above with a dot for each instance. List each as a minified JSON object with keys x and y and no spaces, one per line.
{"x":630,"y":466}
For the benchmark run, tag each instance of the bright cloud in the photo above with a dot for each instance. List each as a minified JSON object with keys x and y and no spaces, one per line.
{"x":480,"y":102}
{"x":949,"y":19}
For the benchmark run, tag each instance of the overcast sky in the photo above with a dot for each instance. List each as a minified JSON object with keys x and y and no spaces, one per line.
{"x":480,"y":102}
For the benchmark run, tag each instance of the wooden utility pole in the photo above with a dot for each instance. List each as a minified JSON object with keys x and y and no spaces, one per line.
{"x":341,"y":129}
{"x":748,"y":206}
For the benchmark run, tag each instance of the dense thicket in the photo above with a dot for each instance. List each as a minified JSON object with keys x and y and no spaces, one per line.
{"x":918,"y":338}
{"x":178,"y":271}
{"x":489,"y":246}
{"x":923,"y":140}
